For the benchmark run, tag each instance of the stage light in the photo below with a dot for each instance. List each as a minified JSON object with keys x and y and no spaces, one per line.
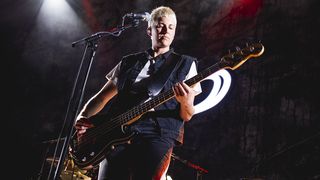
{"x":57,"y":21}
{"x":55,"y":4}
{"x":221,"y":85}
{"x":57,"y":13}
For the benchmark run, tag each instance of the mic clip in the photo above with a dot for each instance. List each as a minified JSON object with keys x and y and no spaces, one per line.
{"x":136,"y":18}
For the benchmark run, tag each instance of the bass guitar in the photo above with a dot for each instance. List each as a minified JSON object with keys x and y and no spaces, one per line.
{"x":98,"y":141}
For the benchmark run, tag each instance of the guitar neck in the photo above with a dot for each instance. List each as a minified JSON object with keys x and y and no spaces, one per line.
{"x":207,"y":72}
{"x":232,"y":61}
{"x":130,"y":116}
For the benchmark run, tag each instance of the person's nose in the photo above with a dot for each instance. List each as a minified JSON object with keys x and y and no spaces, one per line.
{"x":164,"y":30}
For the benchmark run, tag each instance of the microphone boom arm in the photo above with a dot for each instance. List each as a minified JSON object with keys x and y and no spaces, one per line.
{"x":94,"y":37}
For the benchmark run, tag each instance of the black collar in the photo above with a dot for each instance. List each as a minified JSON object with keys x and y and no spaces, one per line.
{"x":165,"y":55}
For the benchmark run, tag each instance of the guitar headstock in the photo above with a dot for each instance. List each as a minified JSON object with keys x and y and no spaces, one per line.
{"x":235,"y":59}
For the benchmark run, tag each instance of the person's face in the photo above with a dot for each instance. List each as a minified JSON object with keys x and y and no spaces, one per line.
{"x":162,"y":31}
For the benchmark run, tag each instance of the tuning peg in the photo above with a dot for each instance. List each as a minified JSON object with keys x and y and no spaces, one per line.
{"x":238,"y":48}
{"x":251,"y":48}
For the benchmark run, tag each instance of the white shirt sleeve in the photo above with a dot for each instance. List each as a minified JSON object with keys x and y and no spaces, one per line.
{"x":192,"y":72}
{"x":114,"y":73}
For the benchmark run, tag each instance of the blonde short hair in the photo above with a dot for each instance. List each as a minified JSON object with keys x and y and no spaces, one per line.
{"x":159,"y":12}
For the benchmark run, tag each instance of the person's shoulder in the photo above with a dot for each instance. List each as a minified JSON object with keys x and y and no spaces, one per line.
{"x":134,"y":55}
{"x":186,"y":57}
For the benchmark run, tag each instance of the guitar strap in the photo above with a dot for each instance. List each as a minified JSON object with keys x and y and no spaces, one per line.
{"x":159,"y":79}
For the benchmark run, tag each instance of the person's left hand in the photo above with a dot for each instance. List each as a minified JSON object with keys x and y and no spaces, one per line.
{"x":184,"y":94}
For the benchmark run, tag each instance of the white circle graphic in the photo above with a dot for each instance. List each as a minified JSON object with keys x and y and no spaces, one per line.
{"x":221,"y":85}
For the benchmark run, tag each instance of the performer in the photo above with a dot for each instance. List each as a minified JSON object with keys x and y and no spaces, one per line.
{"x":138,"y":76}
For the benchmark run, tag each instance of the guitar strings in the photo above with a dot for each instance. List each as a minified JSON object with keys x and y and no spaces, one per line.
{"x":131,"y":114}
{"x":124,"y":118}
{"x":113,"y":123}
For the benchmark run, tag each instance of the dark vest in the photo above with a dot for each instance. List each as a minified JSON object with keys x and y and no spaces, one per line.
{"x":167,"y":114}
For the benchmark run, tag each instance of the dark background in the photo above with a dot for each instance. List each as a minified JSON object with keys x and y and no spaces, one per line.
{"x":267,"y":127}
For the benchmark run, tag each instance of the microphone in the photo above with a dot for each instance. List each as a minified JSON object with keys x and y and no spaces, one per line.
{"x":139,"y":16}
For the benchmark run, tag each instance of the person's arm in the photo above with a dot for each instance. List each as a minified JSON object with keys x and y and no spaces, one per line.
{"x":99,"y":100}
{"x":185,"y":96}
{"x":94,"y":105}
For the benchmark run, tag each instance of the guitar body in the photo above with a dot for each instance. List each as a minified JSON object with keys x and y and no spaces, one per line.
{"x":88,"y":151}
{"x":110,"y":131}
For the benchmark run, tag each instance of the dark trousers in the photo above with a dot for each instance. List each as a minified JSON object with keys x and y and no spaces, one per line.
{"x":146,"y":158}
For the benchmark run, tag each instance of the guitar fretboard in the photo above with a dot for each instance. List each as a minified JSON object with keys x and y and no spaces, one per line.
{"x":141,"y":109}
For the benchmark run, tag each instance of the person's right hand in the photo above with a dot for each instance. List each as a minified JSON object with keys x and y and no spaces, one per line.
{"x":82,"y":125}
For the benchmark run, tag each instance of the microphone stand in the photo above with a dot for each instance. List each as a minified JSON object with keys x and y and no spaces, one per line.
{"x":91,"y":42}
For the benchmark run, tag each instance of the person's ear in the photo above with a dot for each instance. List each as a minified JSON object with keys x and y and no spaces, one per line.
{"x":149,"y":31}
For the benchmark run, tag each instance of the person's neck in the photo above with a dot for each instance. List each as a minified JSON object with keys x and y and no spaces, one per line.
{"x":158,"y":51}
